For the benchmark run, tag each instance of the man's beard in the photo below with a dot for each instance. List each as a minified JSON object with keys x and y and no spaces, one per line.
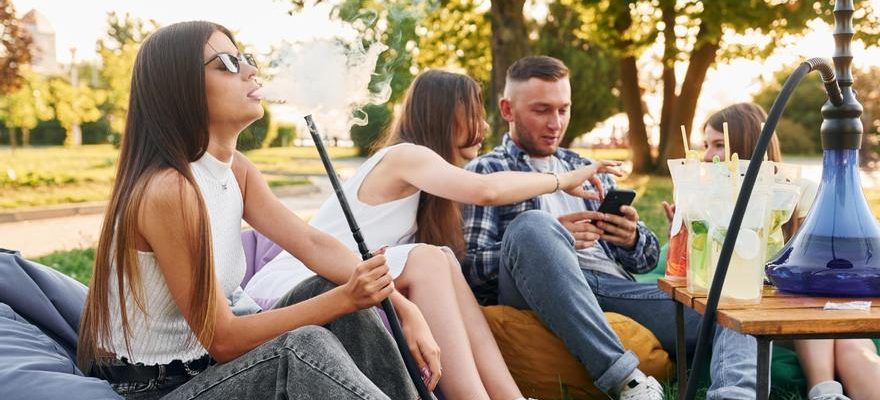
{"x":526,"y":141}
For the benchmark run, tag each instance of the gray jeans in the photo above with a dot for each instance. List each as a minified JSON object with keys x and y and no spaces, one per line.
{"x":352,"y":357}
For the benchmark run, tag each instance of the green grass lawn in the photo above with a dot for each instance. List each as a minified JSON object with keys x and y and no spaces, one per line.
{"x":76,"y":264}
{"x":42,"y":176}
{"x":650,"y":191}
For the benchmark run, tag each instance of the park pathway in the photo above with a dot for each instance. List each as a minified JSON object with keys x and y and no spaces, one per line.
{"x":39,"y":237}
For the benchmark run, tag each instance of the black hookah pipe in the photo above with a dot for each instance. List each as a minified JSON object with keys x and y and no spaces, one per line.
{"x":393,"y":321}
{"x":837,"y":116}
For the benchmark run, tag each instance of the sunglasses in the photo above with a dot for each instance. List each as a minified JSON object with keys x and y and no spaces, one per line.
{"x":233,"y":63}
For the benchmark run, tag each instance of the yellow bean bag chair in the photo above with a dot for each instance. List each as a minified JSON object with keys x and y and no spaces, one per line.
{"x":542,"y":366}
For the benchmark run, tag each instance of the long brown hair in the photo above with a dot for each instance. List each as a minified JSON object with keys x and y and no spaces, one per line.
{"x":744,"y":127}
{"x":166,"y":129}
{"x":434,"y":102}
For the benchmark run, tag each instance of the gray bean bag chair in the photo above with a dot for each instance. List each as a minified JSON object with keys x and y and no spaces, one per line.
{"x":39,"y":317}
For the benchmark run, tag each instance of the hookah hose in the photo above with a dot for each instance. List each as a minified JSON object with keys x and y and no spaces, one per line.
{"x":396,"y":331}
{"x":707,"y":326}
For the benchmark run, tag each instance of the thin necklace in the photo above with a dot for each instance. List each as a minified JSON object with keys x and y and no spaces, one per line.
{"x":225,"y":184}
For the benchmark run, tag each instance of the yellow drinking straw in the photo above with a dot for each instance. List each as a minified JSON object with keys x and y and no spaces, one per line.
{"x":684,"y":139}
{"x":726,"y":142}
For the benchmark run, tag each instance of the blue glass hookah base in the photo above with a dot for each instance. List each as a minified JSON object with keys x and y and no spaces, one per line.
{"x":829,"y":266}
{"x":834,"y":252}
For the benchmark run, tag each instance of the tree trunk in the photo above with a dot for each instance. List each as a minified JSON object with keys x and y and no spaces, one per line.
{"x":13,"y":141}
{"x":670,"y":139}
{"x":25,"y":137}
{"x":702,"y":57}
{"x":632,"y":103}
{"x":510,"y":42}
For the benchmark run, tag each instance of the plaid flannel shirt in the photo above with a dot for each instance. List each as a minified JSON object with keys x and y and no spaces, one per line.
{"x":484,"y":226}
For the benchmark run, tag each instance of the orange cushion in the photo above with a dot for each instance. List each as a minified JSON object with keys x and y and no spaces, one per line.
{"x":542,"y":366}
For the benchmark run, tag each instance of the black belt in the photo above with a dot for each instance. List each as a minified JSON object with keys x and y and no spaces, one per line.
{"x":123,"y":371}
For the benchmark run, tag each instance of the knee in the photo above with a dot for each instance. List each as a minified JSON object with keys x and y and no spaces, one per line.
{"x":847,"y":351}
{"x":538,"y":229}
{"x":309,"y":336}
{"x":427,"y":252}
{"x":309,"y":288}
{"x":531,"y":225}
{"x":428,"y":262}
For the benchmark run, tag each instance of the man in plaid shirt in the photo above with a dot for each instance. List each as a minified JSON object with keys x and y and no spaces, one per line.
{"x":556,"y":255}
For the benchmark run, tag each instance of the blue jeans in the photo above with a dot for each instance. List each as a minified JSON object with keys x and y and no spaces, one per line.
{"x":540,"y":271}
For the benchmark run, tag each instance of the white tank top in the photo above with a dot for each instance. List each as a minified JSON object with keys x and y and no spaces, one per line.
{"x":383,"y":224}
{"x":392,"y":223}
{"x":163,"y":335}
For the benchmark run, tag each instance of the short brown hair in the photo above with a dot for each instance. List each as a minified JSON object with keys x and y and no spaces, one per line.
{"x":542,"y":67}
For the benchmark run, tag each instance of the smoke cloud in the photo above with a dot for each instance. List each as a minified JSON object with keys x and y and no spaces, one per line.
{"x":331,"y":78}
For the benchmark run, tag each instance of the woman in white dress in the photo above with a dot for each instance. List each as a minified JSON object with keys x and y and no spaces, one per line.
{"x":405,"y":195}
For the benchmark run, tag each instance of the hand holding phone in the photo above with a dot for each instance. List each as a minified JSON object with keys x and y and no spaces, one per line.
{"x":618,"y":228}
{"x":616,"y":198}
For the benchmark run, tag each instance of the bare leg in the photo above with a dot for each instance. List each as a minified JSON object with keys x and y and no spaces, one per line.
{"x":858,"y":367}
{"x":493,"y":370}
{"x":427,"y":283}
{"x":817,"y":360}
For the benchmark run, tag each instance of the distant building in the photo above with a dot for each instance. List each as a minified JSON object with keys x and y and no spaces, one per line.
{"x":43,"y":50}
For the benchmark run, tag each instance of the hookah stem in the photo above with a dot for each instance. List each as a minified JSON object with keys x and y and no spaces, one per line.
{"x":707,"y":325}
{"x":393,"y":321}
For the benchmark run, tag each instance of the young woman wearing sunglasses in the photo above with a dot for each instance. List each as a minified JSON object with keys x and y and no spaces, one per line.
{"x":164,"y":316}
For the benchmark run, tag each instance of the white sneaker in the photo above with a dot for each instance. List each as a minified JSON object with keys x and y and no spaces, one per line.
{"x":645,"y":389}
{"x":832,"y":396}
{"x":827,"y":390}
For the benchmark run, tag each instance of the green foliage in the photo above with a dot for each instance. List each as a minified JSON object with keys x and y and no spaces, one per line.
{"x":456,"y":35}
{"x":285,"y":137}
{"x":394,"y":23}
{"x":42,"y":176}
{"x":118,"y":51}
{"x":795,"y":138}
{"x":27,"y":106}
{"x":798,"y":130}
{"x":379,"y":116}
{"x":76,"y":264}
{"x":74,"y":104}
{"x":628,"y":27}
{"x":47,"y":133}
{"x":594,"y":71}
{"x":650,"y":191}
{"x":252,"y":137}
{"x":15,"y":44}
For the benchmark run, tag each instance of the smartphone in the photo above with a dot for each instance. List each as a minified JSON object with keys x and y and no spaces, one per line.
{"x":614,"y":199}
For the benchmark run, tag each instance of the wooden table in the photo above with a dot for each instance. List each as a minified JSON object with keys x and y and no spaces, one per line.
{"x":778,"y":316}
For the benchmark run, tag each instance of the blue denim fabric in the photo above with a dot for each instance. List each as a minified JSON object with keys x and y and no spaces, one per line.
{"x":352,"y":357}
{"x":539,"y":271}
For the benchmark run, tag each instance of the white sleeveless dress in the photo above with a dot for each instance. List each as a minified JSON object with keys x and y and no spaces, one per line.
{"x":392,"y":224}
